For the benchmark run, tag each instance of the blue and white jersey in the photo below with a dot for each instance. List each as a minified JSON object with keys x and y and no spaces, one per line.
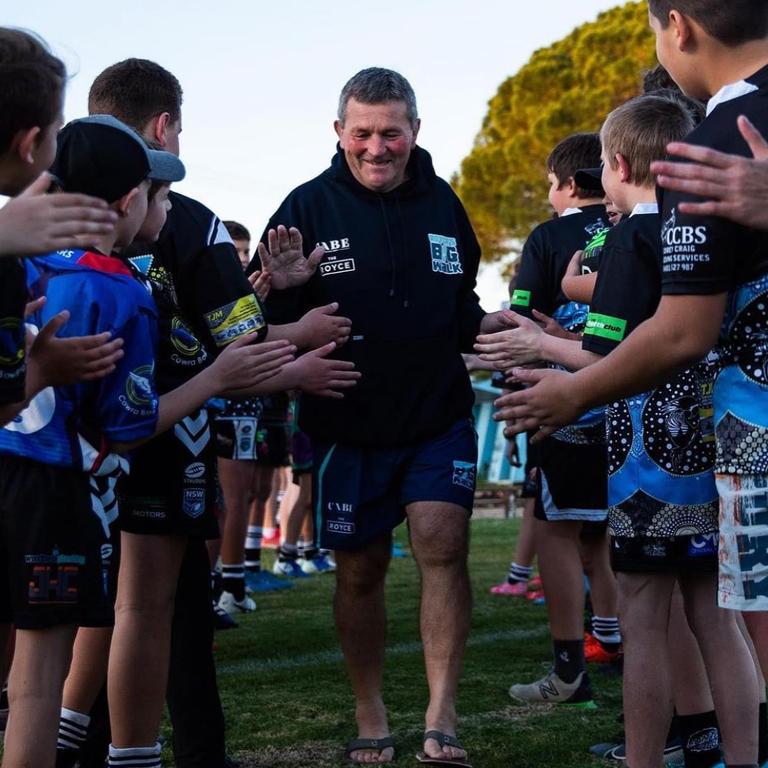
{"x":100,"y":294}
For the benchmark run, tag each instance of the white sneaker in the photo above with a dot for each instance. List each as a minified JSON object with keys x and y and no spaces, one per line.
{"x":308,"y":566}
{"x":228,"y":603}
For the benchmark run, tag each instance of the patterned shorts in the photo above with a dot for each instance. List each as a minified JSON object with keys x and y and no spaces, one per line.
{"x":743,"y":549}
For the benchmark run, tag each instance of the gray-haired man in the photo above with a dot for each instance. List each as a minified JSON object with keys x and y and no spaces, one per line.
{"x":394,"y":247}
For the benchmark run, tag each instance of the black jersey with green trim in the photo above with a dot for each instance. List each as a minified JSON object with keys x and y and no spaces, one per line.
{"x":204,"y":300}
{"x":13,"y":297}
{"x":708,"y":255}
{"x":660,"y":443}
{"x":546,"y":255}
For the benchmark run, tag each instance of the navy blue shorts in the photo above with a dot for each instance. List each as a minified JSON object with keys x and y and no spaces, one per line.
{"x":361,"y":493}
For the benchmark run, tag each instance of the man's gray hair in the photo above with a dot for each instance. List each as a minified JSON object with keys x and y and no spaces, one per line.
{"x":376,"y":85}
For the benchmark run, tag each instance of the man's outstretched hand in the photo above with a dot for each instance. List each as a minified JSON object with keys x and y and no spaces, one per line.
{"x":283,"y":257}
{"x":548,"y":402}
{"x":36,"y":222}
{"x":317,"y":374}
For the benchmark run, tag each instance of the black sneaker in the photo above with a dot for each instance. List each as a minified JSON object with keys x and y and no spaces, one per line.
{"x":222,"y":620}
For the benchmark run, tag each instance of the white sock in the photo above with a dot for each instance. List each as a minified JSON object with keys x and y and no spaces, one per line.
{"x":135,"y":757}
{"x":73,"y":728}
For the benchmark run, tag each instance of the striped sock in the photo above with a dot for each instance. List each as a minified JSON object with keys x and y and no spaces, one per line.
{"x":287,"y":552}
{"x":518,"y":573}
{"x":606,"y":630}
{"x":233,"y":580}
{"x":253,"y":548}
{"x":73,"y":728}
{"x":134,"y":757}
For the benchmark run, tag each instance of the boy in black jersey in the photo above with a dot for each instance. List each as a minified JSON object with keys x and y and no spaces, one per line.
{"x":204,"y":303}
{"x":572,"y":470}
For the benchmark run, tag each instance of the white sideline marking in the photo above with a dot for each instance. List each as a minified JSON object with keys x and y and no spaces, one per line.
{"x":335,"y":657}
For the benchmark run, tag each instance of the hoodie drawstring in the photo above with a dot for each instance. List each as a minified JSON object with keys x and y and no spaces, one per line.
{"x":392,"y":260}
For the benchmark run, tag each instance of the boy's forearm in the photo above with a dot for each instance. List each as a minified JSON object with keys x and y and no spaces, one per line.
{"x":292,"y":332}
{"x":281,"y":382}
{"x":580,"y":287}
{"x":566,"y":352}
{"x":656,"y":350}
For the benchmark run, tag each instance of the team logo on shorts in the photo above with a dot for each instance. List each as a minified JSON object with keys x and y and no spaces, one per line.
{"x":702,"y":545}
{"x":464,"y":474}
{"x":339,"y":518}
{"x":444,"y":253}
{"x":193,"y":503}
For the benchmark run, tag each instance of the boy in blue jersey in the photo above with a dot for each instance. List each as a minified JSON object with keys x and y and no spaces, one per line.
{"x":57,"y":572}
{"x":31,"y":90}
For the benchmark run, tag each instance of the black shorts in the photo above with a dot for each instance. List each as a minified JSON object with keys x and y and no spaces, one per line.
{"x":530,"y":477}
{"x":57,"y":561}
{"x":236,"y":429}
{"x":572,"y":482}
{"x":171,"y":489}
{"x":674,"y":554}
{"x":272,"y":445}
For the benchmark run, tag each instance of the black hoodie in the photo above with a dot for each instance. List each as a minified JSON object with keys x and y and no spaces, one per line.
{"x":402,"y":266}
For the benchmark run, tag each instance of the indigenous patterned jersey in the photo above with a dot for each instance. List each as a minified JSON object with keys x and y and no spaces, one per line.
{"x":706,"y":255}
{"x":661,"y":443}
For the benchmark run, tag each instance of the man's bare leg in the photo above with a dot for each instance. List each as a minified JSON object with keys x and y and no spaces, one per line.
{"x":440,"y":540}
{"x":602,"y":580}
{"x":361,"y":623}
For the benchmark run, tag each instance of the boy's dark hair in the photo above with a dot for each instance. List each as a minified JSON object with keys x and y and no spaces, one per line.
{"x":732,"y":23}
{"x":236,"y":230}
{"x":640,"y":130}
{"x":657,"y":78}
{"x":31,"y":84}
{"x":581,"y":150}
{"x":658,"y":82}
{"x":135,"y":91}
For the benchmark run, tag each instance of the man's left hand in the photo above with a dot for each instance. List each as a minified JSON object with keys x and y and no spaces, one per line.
{"x":549,"y":401}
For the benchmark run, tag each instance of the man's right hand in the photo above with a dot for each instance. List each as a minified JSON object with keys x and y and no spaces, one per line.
{"x":315,"y":374}
{"x":321,"y":325}
{"x":35,"y":222}
{"x":285,"y":260}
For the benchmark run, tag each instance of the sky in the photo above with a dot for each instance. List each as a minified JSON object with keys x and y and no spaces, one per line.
{"x":261,"y":79}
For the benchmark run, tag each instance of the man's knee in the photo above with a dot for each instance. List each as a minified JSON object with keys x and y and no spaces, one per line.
{"x":362,"y":572}
{"x":439,"y":534}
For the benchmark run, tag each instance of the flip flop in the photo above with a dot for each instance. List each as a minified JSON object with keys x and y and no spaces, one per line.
{"x":444,"y":740}
{"x":379,"y":744}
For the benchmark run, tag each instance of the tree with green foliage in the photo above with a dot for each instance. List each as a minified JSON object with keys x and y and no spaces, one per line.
{"x":566,"y":88}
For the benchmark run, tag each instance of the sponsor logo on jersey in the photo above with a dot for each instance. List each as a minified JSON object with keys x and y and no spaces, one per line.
{"x":235,"y":319}
{"x":142,"y":263}
{"x":674,"y":234}
{"x":464,"y":474}
{"x":11,"y":341}
{"x":444,"y":253}
{"x":605,"y":326}
{"x":336,"y":266}
{"x":332,"y":246}
{"x":193,"y":502}
{"x":195,"y":471}
{"x":520,"y":298}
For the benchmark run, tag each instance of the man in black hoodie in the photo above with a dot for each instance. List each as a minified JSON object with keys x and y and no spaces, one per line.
{"x":395,"y":249}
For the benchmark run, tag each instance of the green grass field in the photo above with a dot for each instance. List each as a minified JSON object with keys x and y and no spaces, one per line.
{"x":288,"y":703}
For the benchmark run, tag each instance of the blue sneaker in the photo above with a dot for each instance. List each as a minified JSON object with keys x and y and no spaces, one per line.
{"x":288,"y":569}
{"x":264,"y":581}
{"x":324,"y":563}
{"x":398,"y":551}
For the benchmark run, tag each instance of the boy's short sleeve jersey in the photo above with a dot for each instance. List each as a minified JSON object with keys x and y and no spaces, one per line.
{"x":13,"y":297}
{"x":628,"y":286}
{"x":101,"y":295}
{"x":204,"y":300}
{"x":707,"y":255}
{"x":546,"y":255}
